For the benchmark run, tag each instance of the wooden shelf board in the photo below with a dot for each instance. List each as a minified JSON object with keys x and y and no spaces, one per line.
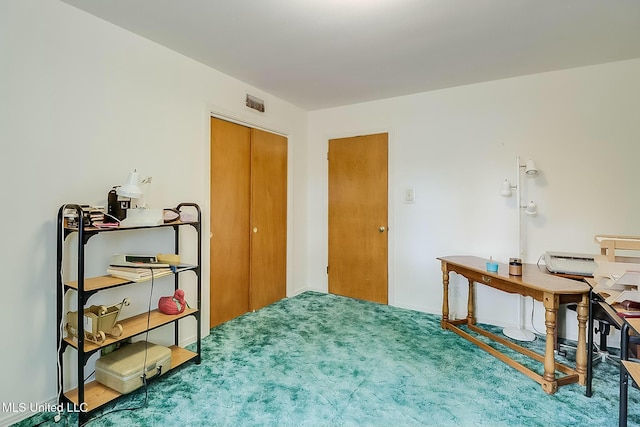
{"x":108,"y":281}
{"x":634,"y":370}
{"x":133,"y":326}
{"x":97,"y":283}
{"x":180,"y":355}
{"x":96,"y":394}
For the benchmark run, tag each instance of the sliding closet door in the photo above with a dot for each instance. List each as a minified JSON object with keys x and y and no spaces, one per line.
{"x":230,"y":220}
{"x":268,"y":218}
{"x":248,"y":219}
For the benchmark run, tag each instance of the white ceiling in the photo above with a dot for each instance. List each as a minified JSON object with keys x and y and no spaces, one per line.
{"x":325,"y":53}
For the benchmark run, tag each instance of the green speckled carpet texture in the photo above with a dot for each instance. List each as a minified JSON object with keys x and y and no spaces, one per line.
{"x":325,"y":360}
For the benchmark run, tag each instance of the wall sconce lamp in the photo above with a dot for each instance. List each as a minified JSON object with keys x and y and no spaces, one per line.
{"x":530,"y":209}
{"x":530,"y":167}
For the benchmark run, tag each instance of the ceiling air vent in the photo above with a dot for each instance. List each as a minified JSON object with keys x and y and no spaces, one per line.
{"x":254,"y":103}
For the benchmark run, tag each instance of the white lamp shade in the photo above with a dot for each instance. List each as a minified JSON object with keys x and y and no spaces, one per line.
{"x":530,"y":168}
{"x":531,"y":208}
{"x":506,"y":188}
{"x":131,"y":189}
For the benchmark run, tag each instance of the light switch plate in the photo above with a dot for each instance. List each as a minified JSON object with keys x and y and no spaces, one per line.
{"x":410,"y":195}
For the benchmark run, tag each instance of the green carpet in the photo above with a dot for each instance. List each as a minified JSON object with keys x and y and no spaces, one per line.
{"x":325,"y":360}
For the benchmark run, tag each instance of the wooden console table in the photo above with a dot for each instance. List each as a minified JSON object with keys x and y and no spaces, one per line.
{"x":535,"y":282}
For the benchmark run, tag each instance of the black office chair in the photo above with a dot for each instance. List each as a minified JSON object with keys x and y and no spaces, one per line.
{"x":603,"y":328}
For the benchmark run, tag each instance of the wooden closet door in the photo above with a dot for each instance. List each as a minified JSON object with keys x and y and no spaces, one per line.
{"x":230,"y":220}
{"x":358,"y":215}
{"x":268,"y":254}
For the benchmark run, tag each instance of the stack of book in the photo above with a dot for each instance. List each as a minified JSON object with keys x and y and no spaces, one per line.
{"x":92,"y":216}
{"x":95,"y":213}
{"x":138,"y":274}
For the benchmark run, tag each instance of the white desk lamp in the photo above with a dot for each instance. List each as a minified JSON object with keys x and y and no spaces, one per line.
{"x":141,"y":215}
{"x":520,"y":333}
{"x":131,"y":189}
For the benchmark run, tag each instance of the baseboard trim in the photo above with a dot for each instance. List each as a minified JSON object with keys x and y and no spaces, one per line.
{"x":299,"y":291}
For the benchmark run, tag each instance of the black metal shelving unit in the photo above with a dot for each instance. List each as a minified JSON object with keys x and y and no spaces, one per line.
{"x":86,"y":398}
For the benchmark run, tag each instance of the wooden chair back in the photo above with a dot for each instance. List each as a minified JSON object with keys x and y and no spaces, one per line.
{"x":619,"y":248}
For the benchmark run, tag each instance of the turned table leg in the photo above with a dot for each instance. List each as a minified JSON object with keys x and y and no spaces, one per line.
{"x":549,"y":383}
{"x":581,"y":351}
{"x":471,"y":315}
{"x":445,"y":296}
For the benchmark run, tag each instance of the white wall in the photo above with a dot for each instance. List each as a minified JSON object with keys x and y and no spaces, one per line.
{"x":82,"y":103}
{"x":456,"y":146}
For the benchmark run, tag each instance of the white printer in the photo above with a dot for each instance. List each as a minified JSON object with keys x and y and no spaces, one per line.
{"x":570,"y":263}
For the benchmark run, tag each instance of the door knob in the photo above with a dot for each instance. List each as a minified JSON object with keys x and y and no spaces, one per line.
{"x":381,"y":229}
{"x":255,"y":229}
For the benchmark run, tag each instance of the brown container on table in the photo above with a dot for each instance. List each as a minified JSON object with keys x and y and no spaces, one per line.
{"x":515,"y":266}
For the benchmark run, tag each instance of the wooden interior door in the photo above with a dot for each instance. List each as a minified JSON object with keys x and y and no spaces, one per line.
{"x":230,"y":221}
{"x":358,"y":215}
{"x":268,"y":218}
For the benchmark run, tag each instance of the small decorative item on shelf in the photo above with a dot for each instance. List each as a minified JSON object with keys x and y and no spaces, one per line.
{"x":492,"y":266}
{"x":171,"y":259}
{"x":99,"y":321}
{"x":515,"y":266}
{"x":170,"y":215}
{"x":173,"y":305}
